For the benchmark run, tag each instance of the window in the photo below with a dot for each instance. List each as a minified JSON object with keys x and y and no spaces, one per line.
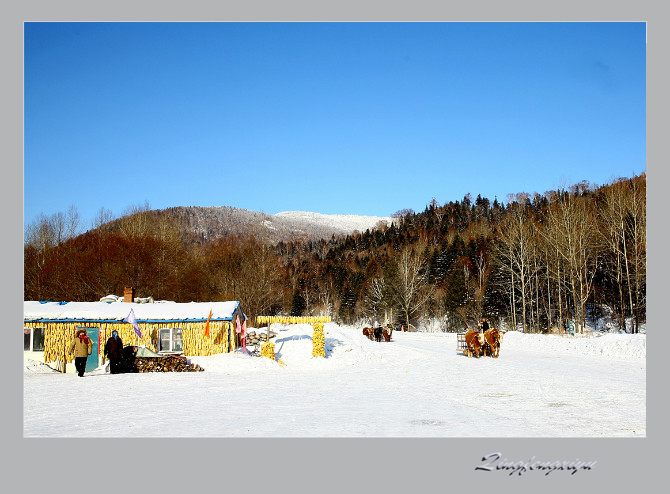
{"x":38,"y":340}
{"x":177,"y":344}
{"x":33,"y":339}
{"x":170,"y":340}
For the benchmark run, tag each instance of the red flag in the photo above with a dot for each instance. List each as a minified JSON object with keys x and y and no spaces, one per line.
{"x":238,"y":328}
{"x":207,"y":325}
{"x":244,"y":336}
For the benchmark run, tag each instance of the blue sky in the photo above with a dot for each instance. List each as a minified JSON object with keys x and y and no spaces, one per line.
{"x":340,"y":118}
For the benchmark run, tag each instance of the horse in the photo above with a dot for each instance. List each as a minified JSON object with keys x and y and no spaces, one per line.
{"x":475,"y":341}
{"x":387,"y":335}
{"x":369,"y":332}
{"x":493,"y":339}
{"x":378,"y":335}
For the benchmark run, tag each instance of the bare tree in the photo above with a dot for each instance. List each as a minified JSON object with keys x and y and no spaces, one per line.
{"x":573,"y":232}
{"x":136,"y":221}
{"x":54,"y":230}
{"x":408,"y":282}
{"x":73,"y":222}
{"x":613,"y":215}
{"x":40,"y":234}
{"x":378,"y":300}
{"x":637,"y":228}
{"x":102,"y":217}
{"x":246,"y":270}
{"x":515,"y":251}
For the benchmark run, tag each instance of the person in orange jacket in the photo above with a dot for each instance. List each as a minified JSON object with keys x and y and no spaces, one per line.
{"x":81,"y":348}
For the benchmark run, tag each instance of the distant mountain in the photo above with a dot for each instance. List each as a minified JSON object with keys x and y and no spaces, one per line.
{"x":209,"y":223}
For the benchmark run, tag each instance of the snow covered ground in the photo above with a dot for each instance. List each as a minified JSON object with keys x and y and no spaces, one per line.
{"x":417,"y":385}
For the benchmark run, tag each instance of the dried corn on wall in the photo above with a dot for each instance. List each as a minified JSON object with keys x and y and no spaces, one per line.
{"x":196,"y":343}
{"x":58,"y":337}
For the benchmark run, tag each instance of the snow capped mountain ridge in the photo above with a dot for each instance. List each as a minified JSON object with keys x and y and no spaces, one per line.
{"x":341,"y":223}
{"x":209,"y":223}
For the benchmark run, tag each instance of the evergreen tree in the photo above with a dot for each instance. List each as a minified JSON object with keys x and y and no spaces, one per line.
{"x":347,"y":312}
{"x":298,"y":304}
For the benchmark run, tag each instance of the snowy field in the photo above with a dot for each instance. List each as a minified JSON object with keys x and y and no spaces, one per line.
{"x":417,"y":385}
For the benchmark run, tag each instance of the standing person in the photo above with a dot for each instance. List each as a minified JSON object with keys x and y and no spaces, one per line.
{"x":114,"y":351}
{"x":81,"y":348}
{"x":129,"y":353}
{"x":485,"y":325}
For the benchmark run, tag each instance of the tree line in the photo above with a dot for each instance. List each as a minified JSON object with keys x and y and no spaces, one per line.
{"x":534,"y":263}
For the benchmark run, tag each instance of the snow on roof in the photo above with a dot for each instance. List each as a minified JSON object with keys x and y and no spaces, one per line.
{"x":117,"y":311}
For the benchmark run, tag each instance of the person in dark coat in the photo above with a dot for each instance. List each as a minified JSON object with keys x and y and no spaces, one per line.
{"x":114,"y":352}
{"x":81,"y":348}
{"x":129,"y":354}
{"x":485,"y":325}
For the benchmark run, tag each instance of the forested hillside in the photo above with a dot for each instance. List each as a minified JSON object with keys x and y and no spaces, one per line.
{"x":535,"y":262}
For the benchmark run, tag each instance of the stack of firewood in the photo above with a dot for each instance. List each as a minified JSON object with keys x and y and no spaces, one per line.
{"x":255,"y":339}
{"x":169,"y":363}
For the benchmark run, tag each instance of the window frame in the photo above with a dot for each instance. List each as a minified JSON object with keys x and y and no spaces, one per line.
{"x":31,"y":342}
{"x":175,"y":336}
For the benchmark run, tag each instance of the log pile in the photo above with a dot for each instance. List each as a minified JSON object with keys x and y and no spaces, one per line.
{"x":169,"y":363}
{"x":255,"y":339}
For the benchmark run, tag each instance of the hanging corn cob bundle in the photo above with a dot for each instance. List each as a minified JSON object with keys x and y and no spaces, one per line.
{"x":318,"y":340}
{"x":291,"y":319}
{"x":104,"y":331}
{"x":190,"y":341}
{"x":231,"y":345}
{"x":196,"y":343}
{"x":194,"y":340}
{"x":268,"y":350}
{"x":52,"y":343}
{"x":220,"y":342}
{"x":57,"y":339}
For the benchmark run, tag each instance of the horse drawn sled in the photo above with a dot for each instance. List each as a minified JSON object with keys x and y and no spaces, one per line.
{"x":376,"y":334}
{"x":476,"y":343}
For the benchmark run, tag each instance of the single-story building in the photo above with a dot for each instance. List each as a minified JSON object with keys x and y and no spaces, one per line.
{"x":165,"y":328}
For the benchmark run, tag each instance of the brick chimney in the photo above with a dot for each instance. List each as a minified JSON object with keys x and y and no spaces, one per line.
{"x":128,"y":295}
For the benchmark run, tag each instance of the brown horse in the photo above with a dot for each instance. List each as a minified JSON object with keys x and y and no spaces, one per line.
{"x":369,"y":332}
{"x":493,"y":339}
{"x":475,"y":341}
{"x":387,"y":335}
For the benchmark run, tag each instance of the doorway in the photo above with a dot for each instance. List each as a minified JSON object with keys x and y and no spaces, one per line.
{"x":94,"y":359}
